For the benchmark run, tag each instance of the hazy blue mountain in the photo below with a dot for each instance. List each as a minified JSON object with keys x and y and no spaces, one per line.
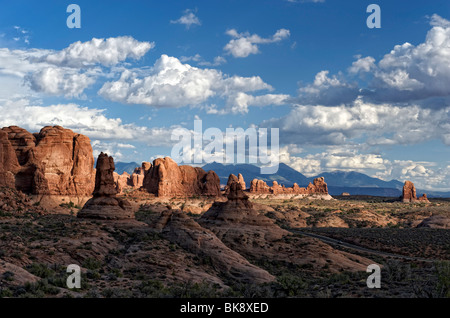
{"x":379,"y":192}
{"x":433,"y":194}
{"x":128,"y":167}
{"x":338,"y":182}
{"x":356,"y":180}
{"x":285,"y":175}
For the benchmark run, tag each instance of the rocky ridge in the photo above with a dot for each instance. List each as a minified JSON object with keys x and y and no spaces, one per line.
{"x":317,"y":187}
{"x":240,"y":226}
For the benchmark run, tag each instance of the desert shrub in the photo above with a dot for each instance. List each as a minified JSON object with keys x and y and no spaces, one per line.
{"x":194,"y":290}
{"x":91,"y":263}
{"x":116,"y":293}
{"x":443,"y":275}
{"x":251,"y":290}
{"x":40,"y":270}
{"x":5,"y":292}
{"x":290,"y":285}
{"x":153,"y":289}
{"x":92,"y":293}
{"x":8,"y":276}
{"x":396,"y":271}
{"x":5,"y":214}
{"x":69,"y":205}
{"x":38,"y":289}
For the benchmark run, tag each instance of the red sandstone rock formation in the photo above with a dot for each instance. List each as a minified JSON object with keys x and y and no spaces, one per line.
{"x":211,"y":183}
{"x":276,"y":188}
{"x":133,"y":181}
{"x":242,"y":181}
{"x":231,"y":179}
{"x":104,"y":177}
{"x":238,"y":209}
{"x":318,"y":187}
{"x":105,"y":204}
{"x":121,"y":181}
{"x":423,"y":198}
{"x":136,"y":180}
{"x":260,"y":187}
{"x":146,"y":166}
{"x":409,"y":193}
{"x":9,"y":165}
{"x":165,"y":178}
{"x":55,"y":161}
{"x":297,"y":190}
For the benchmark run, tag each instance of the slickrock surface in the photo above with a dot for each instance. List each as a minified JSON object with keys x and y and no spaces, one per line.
{"x":242,"y":228}
{"x":13,"y":201}
{"x":436,"y":222}
{"x":178,"y":228}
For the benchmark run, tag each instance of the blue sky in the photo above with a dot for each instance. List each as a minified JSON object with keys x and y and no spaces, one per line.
{"x":345,"y":97}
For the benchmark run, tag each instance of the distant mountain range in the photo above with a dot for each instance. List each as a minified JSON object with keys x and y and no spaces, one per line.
{"x":127,"y":167}
{"x":285,"y":175}
{"x":356,"y":179}
{"x":338,"y":182}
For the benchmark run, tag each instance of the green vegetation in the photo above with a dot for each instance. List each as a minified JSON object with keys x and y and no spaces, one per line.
{"x":443,"y":276}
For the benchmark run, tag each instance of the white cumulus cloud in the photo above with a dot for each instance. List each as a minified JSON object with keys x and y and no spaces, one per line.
{"x":60,"y":81}
{"x":68,"y":72}
{"x":244,"y":44}
{"x":412,"y":72}
{"x":378,"y":124}
{"x":188,"y":19}
{"x":327,"y":90}
{"x":174,"y":84}
{"x":106,"y":52}
{"x":88,"y":121}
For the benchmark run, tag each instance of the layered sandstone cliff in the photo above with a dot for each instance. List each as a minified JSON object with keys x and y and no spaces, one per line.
{"x":166,"y":179}
{"x":55,"y":161}
{"x":180,"y":229}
